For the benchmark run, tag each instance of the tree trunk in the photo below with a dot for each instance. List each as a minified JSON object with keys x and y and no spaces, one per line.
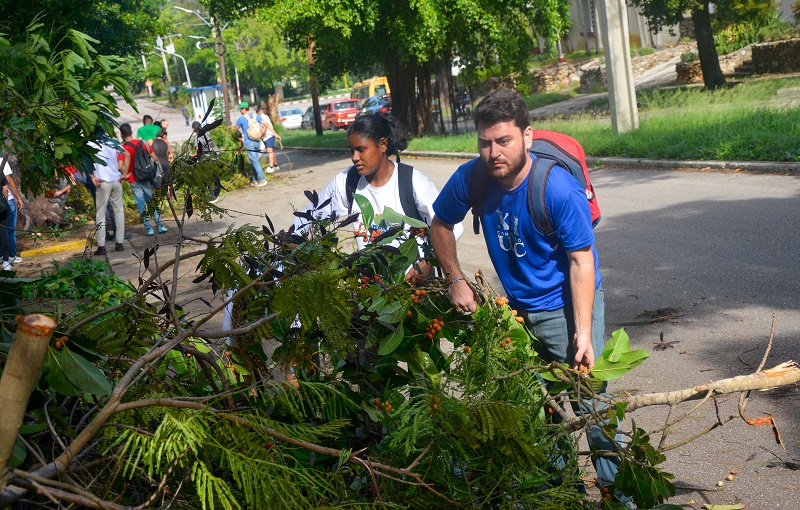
{"x":706,"y":49}
{"x":410,"y":83}
{"x":19,"y":379}
{"x":425,"y":125}
{"x":312,"y":82}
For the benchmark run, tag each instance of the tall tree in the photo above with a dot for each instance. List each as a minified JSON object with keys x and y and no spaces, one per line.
{"x":662,"y":13}
{"x":119,"y":26}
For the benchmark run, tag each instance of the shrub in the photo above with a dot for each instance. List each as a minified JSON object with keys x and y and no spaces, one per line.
{"x":689,"y":56}
{"x":646,"y":51}
{"x":770,"y":27}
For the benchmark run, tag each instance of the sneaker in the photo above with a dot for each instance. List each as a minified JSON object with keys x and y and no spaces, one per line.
{"x":252,"y":183}
{"x":150,"y":232}
{"x":214,"y":201}
{"x":112,"y":237}
{"x":277,"y":167}
{"x":7,"y":266}
{"x":261,"y":184}
{"x":162,"y":229}
{"x":270,"y":170}
{"x":15,"y":260}
{"x":119,"y":247}
{"x":101,"y":250}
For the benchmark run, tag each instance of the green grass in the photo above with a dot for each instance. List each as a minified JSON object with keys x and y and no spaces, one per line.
{"x":743,"y":122}
{"x":309,"y":138}
{"x":538,"y":100}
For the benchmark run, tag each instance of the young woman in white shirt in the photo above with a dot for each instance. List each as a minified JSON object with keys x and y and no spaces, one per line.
{"x":373,"y":139}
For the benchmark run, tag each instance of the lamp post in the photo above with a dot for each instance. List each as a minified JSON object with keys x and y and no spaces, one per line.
{"x":220,"y":49}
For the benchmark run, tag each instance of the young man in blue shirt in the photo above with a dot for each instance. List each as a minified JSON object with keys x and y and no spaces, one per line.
{"x":553,"y":283}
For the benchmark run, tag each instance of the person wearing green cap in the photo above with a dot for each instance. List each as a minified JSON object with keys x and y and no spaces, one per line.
{"x":253,"y":128}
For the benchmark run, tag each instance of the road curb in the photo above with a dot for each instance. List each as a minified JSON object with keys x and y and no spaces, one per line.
{"x":55,"y":248}
{"x":764,"y":167}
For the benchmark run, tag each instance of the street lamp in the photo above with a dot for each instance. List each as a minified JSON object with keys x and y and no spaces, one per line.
{"x":213,"y":23}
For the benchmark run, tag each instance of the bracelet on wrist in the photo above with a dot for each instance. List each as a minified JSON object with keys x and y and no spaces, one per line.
{"x":455,"y":280}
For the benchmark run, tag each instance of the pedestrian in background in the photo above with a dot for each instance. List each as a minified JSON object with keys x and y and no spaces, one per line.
{"x":142,"y":191}
{"x":148,"y":131}
{"x":269,"y":140}
{"x":107,"y":179}
{"x":15,"y":204}
{"x":252,"y":141}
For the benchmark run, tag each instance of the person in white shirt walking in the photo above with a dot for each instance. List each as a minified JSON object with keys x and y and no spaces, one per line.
{"x":107,"y":178}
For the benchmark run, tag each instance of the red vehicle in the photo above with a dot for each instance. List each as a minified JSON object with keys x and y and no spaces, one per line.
{"x":340,"y":114}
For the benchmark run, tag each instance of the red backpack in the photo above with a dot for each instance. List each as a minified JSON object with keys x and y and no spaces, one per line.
{"x":551,"y":149}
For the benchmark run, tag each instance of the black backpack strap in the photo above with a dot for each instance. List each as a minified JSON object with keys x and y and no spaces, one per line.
{"x":477,"y":193}
{"x":405,"y":182}
{"x":350,"y":187}
{"x":536,"y":188}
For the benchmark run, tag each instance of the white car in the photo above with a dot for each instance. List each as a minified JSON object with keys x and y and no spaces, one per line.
{"x":291,"y":118}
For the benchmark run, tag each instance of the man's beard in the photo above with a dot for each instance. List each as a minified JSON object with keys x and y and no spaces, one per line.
{"x":510,"y":167}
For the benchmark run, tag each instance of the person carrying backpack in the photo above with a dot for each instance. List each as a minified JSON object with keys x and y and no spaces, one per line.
{"x":253,"y":128}
{"x":140,"y":154}
{"x":382,"y":181}
{"x":551,"y":278}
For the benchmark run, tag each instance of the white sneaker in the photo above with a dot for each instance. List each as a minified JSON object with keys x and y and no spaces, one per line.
{"x":277,"y":167}
{"x":16,"y":260}
{"x":252,"y":183}
{"x":270,"y":170}
{"x":7,"y":266}
{"x":261,"y":184}
{"x":214,"y":201}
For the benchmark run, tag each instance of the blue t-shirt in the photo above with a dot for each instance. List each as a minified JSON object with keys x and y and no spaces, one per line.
{"x":241,"y":123}
{"x":532,"y":268}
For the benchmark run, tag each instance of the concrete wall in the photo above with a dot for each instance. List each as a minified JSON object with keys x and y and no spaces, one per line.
{"x":581,"y":14}
{"x":777,"y":57}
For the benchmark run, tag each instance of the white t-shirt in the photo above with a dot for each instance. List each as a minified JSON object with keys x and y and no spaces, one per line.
{"x":7,"y":171}
{"x":110,"y":171}
{"x":388,"y":195}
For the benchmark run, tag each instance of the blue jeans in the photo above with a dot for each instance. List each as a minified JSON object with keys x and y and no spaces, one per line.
{"x":142,"y":194}
{"x":253,"y":148}
{"x":555,"y":330}
{"x":12,"y":229}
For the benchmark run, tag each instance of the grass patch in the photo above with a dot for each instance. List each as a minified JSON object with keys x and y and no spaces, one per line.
{"x":539,"y":100}
{"x":309,"y":138}
{"x":738,"y":123}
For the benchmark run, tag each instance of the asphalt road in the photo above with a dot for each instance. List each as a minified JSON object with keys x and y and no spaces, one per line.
{"x":702,"y":257}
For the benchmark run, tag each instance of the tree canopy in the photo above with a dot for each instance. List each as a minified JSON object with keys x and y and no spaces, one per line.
{"x":119,"y":26}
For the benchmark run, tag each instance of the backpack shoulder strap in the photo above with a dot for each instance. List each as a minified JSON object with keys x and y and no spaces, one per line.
{"x":350,"y":187}
{"x":536,"y":200}
{"x":477,"y":193}
{"x":406,"y":189}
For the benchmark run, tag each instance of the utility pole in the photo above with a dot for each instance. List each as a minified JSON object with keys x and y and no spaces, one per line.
{"x":160,"y":45}
{"x":223,"y":76}
{"x":617,"y":49}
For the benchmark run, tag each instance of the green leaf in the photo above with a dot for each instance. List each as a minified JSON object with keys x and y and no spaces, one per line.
{"x":392,"y":217}
{"x":56,"y":376}
{"x":423,"y":361}
{"x":606,"y":370}
{"x":34,"y":428}
{"x":393,"y":313}
{"x":19,"y":453}
{"x":367,"y":212}
{"x":617,"y":345}
{"x":83,"y":374}
{"x":392,"y":341}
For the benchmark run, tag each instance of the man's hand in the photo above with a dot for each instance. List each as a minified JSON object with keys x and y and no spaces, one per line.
{"x":584,"y":353}
{"x":96,"y":181}
{"x":463,"y":297}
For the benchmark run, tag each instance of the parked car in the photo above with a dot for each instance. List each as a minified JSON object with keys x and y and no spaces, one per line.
{"x":376,"y":104}
{"x":308,"y":117}
{"x":290,"y":117}
{"x":340,"y":114}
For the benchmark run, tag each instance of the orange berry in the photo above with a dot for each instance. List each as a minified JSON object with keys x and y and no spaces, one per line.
{"x":417,"y":292}
{"x":508,"y":340}
{"x":514,"y":313}
{"x":436,"y":406}
{"x":59,"y":345}
{"x":467,"y":348}
{"x":64,"y":339}
{"x":227,"y":353}
{"x":408,"y":313}
{"x":520,"y":320}
{"x":189,"y":354}
{"x":377,"y":401}
{"x":416,"y":300}
{"x":438,"y":327}
{"x":429,"y":336}
{"x":233,"y":368}
{"x":363,"y":285}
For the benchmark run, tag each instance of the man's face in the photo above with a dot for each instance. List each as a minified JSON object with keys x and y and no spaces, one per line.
{"x":503,"y":147}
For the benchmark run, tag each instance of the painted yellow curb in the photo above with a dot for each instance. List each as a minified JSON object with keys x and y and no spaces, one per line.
{"x":55,"y":248}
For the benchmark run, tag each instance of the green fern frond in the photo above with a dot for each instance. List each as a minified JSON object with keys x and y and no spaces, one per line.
{"x":211,"y":490}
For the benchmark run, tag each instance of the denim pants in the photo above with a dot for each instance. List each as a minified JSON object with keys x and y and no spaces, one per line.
{"x":142,"y":194}
{"x":12,"y":230}
{"x":253,"y":148}
{"x":555,"y":330}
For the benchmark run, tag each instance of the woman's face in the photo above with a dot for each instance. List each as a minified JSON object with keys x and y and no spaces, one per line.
{"x":365,"y":154}
{"x":164,"y":124}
